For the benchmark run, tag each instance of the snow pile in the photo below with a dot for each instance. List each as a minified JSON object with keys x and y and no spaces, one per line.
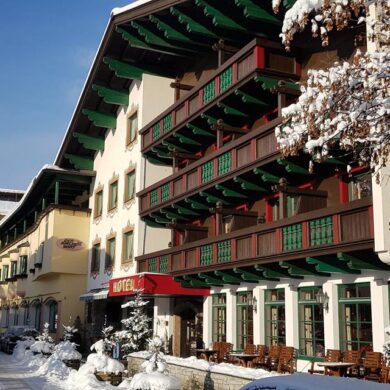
{"x":66,"y":350}
{"x":104,"y":363}
{"x":44,"y":343}
{"x":21,"y":347}
{"x":53,"y":367}
{"x":344,"y":107}
{"x":155,"y":376}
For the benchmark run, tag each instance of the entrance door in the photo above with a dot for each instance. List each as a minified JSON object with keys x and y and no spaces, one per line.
{"x":187,"y":333}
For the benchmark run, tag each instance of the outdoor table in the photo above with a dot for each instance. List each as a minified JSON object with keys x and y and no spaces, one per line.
{"x":205,"y":353}
{"x":335,"y":368}
{"x":244,"y":358}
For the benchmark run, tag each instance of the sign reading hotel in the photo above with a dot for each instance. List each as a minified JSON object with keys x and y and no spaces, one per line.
{"x":70,"y":244}
{"x":124,"y":286}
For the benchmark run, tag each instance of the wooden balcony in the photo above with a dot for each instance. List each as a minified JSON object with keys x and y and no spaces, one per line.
{"x":315,"y":243}
{"x":238,"y":92}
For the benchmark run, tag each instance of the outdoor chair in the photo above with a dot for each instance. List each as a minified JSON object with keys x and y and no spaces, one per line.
{"x":216,"y":348}
{"x":226,"y":349}
{"x":385,"y":373}
{"x":273,"y":357}
{"x":250,"y":349}
{"x":352,"y":357}
{"x":286,"y":360}
{"x":332,"y":355}
{"x":259,"y":361}
{"x":372,"y":365}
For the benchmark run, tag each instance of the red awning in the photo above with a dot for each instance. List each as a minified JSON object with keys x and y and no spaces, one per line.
{"x":154,"y":284}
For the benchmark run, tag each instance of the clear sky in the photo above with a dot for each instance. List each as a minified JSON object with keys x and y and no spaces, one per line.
{"x":46,"y":49}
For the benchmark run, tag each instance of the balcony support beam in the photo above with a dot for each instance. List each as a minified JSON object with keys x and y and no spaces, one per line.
{"x":100,"y":119}
{"x":90,"y":142}
{"x":248,"y":185}
{"x":229,"y":192}
{"x":266,"y":177}
{"x":372,"y":263}
{"x":249,"y":99}
{"x":80,"y":162}
{"x":196,"y":205}
{"x":212,"y":198}
{"x":112,"y":96}
{"x":273,"y":270}
{"x":297,"y":268}
{"x":326,"y":264}
{"x":291,"y":167}
{"x":227,"y":277}
{"x":211,"y":280}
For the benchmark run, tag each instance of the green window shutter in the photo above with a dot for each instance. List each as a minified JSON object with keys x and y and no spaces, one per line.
{"x":224,"y":251}
{"x":167,"y":123}
{"x":208,"y":171}
{"x":165,"y":192}
{"x":321,"y":231}
{"x":224,"y":163}
{"x":164,"y":264}
{"x":209,"y":92}
{"x":152,"y":265}
{"x":206,"y":254}
{"x":226,"y":79}
{"x":153,"y":198}
{"x":156,"y":131}
{"x":292,"y":237}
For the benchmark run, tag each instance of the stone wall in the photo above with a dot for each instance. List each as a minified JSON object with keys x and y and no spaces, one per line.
{"x":193,"y":378}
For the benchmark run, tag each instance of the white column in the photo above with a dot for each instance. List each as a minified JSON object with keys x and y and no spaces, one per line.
{"x":231,"y":313}
{"x":207,"y":321}
{"x":379,"y":312}
{"x":162,"y":318}
{"x":258,"y":317}
{"x":331,"y":317}
{"x":292,"y":325}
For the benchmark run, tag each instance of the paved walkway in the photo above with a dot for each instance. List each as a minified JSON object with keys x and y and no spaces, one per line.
{"x":15,"y":377}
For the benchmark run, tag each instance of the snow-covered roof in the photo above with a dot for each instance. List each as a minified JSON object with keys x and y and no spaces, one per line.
{"x":134,"y":4}
{"x":9,"y":191}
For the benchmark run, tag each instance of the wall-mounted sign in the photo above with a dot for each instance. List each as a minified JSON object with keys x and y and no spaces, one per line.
{"x":70,"y":244}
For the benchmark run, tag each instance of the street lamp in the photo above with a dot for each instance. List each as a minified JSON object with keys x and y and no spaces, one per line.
{"x":323,"y":299}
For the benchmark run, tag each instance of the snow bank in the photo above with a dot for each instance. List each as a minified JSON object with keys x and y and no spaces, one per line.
{"x":21,"y":347}
{"x":154,"y":381}
{"x":66,"y":350}
{"x":104,"y":363}
{"x":42,"y":347}
{"x":53,"y":367}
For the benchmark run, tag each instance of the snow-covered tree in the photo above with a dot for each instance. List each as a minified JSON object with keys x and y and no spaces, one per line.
{"x":69,"y":332}
{"x":386,"y":346}
{"x":44,"y":342}
{"x":136,"y":327}
{"x":108,"y":341}
{"x":346,"y":106}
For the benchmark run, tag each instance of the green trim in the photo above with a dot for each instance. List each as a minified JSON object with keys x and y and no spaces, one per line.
{"x":248,"y":185}
{"x":266,"y":177}
{"x":310,"y":358}
{"x":249,"y":99}
{"x":185,"y":211}
{"x":112,"y":96}
{"x":255,"y":12}
{"x":228,"y":110}
{"x":186,"y":140}
{"x":149,"y":36}
{"x":131,"y":39}
{"x":79,"y":162}
{"x":213,"y":199}
{"x":292,"y":168}
{"x":196,"y":205}
{"x":169,"y":31}
{"x":90,"y":142}
{"x":124,"y":70}
{"x":198,"y":131}
{"x":100,"y":119}
{"x":229,"y":193}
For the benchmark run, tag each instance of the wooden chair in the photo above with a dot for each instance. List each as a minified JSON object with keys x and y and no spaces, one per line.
{"x":372,"y":365}
{"x":286,"y":360}
{"x":216,"y":347}
{"x":250,"y":349}
{"x":259,"y":361}
{"x":385,"y":372}
{"x":332,"y":355}
{"x":273,"y":357}
{"x":226,"y":349}
{"x":352,"y":357}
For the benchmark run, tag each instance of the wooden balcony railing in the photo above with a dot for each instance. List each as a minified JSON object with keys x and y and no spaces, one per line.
{"x":265,"y":59}
{"x":316,"y":233}
{"x":233,"y":159}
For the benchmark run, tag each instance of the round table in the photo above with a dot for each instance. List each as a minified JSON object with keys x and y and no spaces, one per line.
{"x":205,"y":353}
{"x":245,"y":358}
{"x":335,"y":368}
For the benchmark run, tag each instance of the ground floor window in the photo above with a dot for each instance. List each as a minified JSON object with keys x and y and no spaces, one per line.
{"x":219,"y":317}
{"x":244,"y":319}
{"x":355,"y":317}
{"x":53,"y":314}
{"x":26,"y":318}
{"x":37,"y":318}
{"x":275,"y":317}
{"x":16,"y":317}
{"x":311,"y":322}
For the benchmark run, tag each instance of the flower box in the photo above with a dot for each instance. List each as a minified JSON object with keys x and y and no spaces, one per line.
{"x":115,"y":379}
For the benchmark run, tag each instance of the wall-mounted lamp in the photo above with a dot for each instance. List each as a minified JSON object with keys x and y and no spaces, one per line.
{"x":323,"y":299}
{"x":253,"y":302}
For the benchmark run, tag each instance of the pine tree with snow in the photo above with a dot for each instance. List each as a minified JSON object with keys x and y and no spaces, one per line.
{"x":45,"y":336}
{"x":136,"y":327}
{"x":69,"y":332}
{"x":108,"y":338}
{"x":44,"y":342}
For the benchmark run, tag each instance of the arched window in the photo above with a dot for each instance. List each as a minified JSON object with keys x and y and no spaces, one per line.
{"x":37,"y":319}
{"x":53,"y":315}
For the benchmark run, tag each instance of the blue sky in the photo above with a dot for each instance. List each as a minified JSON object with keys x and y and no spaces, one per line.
{"x":46,"y":49}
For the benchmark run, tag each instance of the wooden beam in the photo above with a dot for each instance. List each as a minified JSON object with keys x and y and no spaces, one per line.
{"x":323,"y":264}
{"x":220,"y":125}
{"x":358,"y":263}
{"x":291,"y":167}
{"x":196,"y":205}
{"x":169,"y":31}
{"x":212,"y":198}
{"x":266,"y":177}
{"x":199,"y":131}
{"x":227,"y":277}
{"x":186,"y":140}
{"x":254,"y":12}
{"x":229,"y":192}
{"x":211,"y":280}
{"x":124,"y":69}
{"x":248,"y":185}
{"x":100,"y":119}
{"x":112,"y":96}
{"x":89,"y":141}
{"x":299,"y":268}
{"x":228,"y":110}
{"x":184,"y":210}
{"x":79,"y":162}
{"x":250,"y":99}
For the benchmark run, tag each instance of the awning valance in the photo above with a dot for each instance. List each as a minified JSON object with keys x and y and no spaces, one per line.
{"x":94,"y":295}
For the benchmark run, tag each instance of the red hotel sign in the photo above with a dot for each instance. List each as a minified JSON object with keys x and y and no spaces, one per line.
{"x":153,"y":284}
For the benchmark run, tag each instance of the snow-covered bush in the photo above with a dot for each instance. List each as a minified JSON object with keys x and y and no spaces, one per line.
{"x":44,"y":343}
{"x":69,"y":332}
{"x":100,"y":361}
{"x":136,"y":327}
{"x":66,"y":350}
{"x":21,"y":347}
{"x":386,"y":346}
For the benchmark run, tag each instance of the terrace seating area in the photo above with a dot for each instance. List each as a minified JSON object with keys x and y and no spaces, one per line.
{"x":368,"y":365}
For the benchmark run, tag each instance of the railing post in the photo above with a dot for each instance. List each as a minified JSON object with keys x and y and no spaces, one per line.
{"x":305,"y":237}
{"x":170,"y":263}
{"x":215,"y":253}
{"x":336,"y":229}
{"x":233,"y":252}
{"x":278,"y":240}
{"x":259,"y":57}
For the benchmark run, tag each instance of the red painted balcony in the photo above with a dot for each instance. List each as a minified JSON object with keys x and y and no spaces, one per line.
{"x":319,"y":241}
{"x":238,"y":92}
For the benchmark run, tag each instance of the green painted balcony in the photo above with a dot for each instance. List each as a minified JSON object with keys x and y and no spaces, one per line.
{"x":339,"y":239}
{"x":238,"y":93}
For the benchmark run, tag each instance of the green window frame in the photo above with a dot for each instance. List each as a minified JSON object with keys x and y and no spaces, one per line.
{"x":130,"y":185}
{"x":99,"y":203}
{"x":128,"y":246}
{"x":95,"y":259}
{"x":5,"y":272}
{"x":14,"y":268}
{"x":23,"y":264}
{"x":218,"y":317}
{"x":275,"y":316}
{"x":113,"y":195}
{"x":355,"y":317}
{"x":110,"y":255}
{"x":132,"y":128}
{"x":311,"y":323}
{"x":244,"y":318}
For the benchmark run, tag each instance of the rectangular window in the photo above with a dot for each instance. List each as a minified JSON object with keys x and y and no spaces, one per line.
{"x":132,"y":128}
{"x":99,"y":203}
{"x":110,"y":255}
{"x":130,"y":186}
{"x":275,"y":317}
{"x":219,"y":317}
{"x":95,"y":259}
{"x":355,"y":317}
{"x":14,"y":268}
{"x":244,"y":319}
{"x":311,"y":322}
{"x":23,"y":264}
{"x":113,"y":195}
{"x":5,"y":272}
{"x":128,"y":242}
{"x":360,"y":186}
